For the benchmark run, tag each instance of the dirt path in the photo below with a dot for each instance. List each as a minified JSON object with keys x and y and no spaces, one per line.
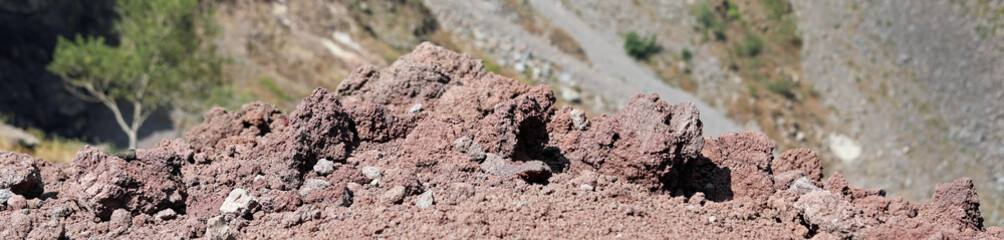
{"x":624,"y":73}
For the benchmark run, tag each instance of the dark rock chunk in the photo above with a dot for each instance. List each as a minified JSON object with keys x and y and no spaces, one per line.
{"x":800,"y":159}
{"x":105,"y":183}
{"x":20,"y":174}
{"x":643,"y":142}
{"x":467,"y":146}
{"x":954,"y":204}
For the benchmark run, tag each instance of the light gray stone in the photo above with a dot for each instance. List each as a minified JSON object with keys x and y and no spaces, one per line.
{"x":61,"y":212}
{"x":239,"y":202}
{"x":371,"y":172}
{"x":416,"y":109}
{"x":579,"y":120}
{"x":466,"y":145}
{"x":324,"y":167}
{"x":803,"y":185}
{"x":425,"y":200}
{"x":313,"y":185}
{"x":217,"y":228}
{"x":166,"y":214}
{"x":4,"y":195}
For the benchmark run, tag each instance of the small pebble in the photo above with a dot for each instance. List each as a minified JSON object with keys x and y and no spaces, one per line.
{"x":426,"y":200}
{"x":416,"y":108}
{"x":166,"y":214}
{"x":17,"y":202}
{"x":586,"y":187}
{"x":394,"y":195}
{"x":239,"y":202}
{"x":324,"y":167}
{"x":61,"y":212}
{"x":4,"y":195}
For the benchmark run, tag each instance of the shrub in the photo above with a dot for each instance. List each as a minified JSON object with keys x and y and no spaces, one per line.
{"x":782,"y":87}
{"x":751,"y":46}
{"x":710,"y":21}
{"x":686,"y":54}
{"x":640,"y":48}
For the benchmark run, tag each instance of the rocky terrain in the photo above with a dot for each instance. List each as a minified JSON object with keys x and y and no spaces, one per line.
{"x":435,"y":146}
{"x":926,"y":70}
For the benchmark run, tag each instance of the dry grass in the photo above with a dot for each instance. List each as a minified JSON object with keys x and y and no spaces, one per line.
{"x":52,"y":149}
{"x":565,"y":43}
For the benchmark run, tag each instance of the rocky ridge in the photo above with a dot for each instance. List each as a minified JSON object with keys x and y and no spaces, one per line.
{"x":483,"y":156}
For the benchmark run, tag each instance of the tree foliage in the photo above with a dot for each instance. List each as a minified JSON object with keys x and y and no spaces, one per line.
{"x":160,"y":60}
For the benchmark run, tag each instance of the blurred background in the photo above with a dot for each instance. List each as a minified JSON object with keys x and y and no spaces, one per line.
{"x":899,"y":95}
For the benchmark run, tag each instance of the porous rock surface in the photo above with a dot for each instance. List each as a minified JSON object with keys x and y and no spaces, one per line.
{"x":485,"y":157}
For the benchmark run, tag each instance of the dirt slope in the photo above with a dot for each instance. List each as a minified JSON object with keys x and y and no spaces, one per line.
{"x":633,"y":77}
{"x":434,"y":147}
{"x":927,"y":70}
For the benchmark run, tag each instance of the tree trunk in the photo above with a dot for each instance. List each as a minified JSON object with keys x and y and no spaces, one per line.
{"x":131,"y":130}
{"x":132,"y":139}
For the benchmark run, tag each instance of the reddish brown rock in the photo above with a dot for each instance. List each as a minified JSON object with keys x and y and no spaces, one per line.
{"x":837,"y":184}
{"x":643,"y":142}
{"x":517,"y":128}
{"x":800,"y":159}
{"x":373,"y":122}
{"x":955,"y":205}
{"x":20,"y":174}
{"x":321,"y":128}
{"x":830,"y":213}
{"x":746,"y":157}
{"x":253,"y":119}
{"x":486,"y":156}
{"x":105,"y":183}
{"x":16,"y":226}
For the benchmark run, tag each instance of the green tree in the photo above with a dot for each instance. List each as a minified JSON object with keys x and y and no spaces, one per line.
{"x":160,"y":61}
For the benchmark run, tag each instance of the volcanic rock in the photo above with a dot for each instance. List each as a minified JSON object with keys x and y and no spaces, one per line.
{"x":486,"y":157}
{"x":643,"y":142}
{"x":19,"y":174}
{"x":105,"y":183}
